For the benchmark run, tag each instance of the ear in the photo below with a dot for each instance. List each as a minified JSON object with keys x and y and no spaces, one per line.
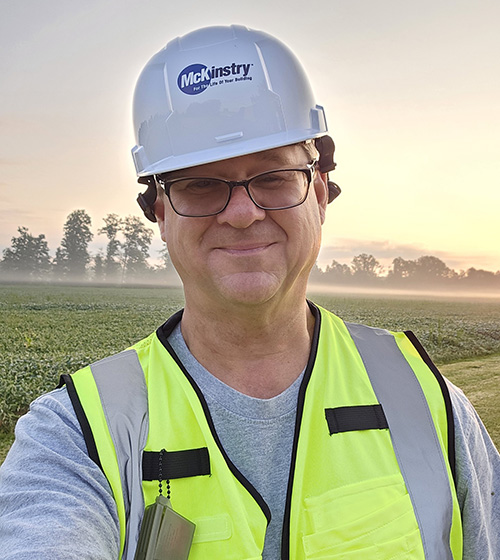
{"x":159,"y":210}
{"x":321,"y":191}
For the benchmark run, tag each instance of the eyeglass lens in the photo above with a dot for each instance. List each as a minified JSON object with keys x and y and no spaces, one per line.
{"x":201,"y":196}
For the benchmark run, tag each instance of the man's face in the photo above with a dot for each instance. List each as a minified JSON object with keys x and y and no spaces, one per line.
{"x":245,"y":254}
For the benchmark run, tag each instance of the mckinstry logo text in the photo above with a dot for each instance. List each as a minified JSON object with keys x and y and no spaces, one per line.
{"x":195,"y":78}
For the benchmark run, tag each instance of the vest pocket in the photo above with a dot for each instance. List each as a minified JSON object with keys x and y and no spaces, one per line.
{"x":372,"y":519}
{"x":210,"y":538}
{"x":213,"y":528}
{"x":408,"y":547}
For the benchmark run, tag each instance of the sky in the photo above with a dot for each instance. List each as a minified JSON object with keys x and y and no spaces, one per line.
{"x":411,"y":92}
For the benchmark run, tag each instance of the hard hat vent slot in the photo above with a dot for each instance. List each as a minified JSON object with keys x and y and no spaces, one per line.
{"x":229,"y":137}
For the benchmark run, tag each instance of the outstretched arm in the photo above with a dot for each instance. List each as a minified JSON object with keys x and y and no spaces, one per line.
{"x":55,"y":502}
{"x":478,"y":480}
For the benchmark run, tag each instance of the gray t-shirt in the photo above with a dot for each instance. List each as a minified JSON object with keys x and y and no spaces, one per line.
{"x":55,"y":502}
{"x":257,"y":435}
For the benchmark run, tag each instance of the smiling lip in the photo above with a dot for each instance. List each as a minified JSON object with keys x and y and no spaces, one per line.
{"x":245,"y":249}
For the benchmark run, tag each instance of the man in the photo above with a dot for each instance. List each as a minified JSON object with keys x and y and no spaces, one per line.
{"x":268,"y":423}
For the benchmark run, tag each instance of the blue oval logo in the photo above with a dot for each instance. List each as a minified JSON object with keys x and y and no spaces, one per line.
{"x":194,"y":79}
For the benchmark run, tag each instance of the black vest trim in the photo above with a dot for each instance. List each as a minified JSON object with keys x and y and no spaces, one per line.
{"x":163,"y":333}
{"x":447,"y":400}
{"x":355,"y":418}
{"x":285,"y":537}
{"x":82,"y":419}
{"x":175,"y":464}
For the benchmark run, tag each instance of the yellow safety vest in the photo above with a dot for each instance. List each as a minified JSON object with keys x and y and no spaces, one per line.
{"x":370,"y":477}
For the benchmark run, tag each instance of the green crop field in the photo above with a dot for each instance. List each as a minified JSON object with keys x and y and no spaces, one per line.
{"x":51,"y":330}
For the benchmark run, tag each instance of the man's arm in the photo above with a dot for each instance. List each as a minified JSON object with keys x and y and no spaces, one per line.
{"x":478,"y":481}
{"x":55,"y":502}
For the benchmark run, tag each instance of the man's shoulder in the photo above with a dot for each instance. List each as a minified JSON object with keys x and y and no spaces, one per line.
{"x":57,"y":401}
{"x":468,"y":425}
{"x":50,"y":423}
{"x":139,"y":349}
{"x":145,"y":344}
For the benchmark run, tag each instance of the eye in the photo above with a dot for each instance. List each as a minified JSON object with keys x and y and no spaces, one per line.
{"x":202,"y":184}
{"x":274,"y":180}
{"x":198,"y":185}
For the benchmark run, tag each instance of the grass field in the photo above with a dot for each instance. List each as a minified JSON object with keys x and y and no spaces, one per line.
{"x":51,"y":330}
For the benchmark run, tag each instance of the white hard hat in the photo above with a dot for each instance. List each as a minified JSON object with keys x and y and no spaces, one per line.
{"x":217,"y":93}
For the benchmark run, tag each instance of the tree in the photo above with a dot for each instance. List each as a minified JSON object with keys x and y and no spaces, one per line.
{"x":317,"y":275}
{"x":481,"y":277}
{"x":72,"y":257}
{"x":111,"y":264}
{"x":337,"y":272}
{"x":165,"y":260}
{"x":431,"y":268}
{"x":28,"y":256}
{"x":135,"y":247}
{"x":98,"y":267}
{"x":402,"y":269}
{"x":424,"y":269}
{"x":165,"y":271}
{"x":365,"y":266}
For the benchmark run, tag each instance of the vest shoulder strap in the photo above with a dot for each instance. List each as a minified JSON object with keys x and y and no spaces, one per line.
{"x":418,"y":452}
{"x":124,"y":398}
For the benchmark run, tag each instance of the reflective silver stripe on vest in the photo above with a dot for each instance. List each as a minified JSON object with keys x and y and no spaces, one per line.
{"x":124,"y":397}
{"x":418,"y":450}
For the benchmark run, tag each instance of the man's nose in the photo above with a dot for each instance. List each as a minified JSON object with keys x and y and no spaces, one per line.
{"x":241,"y":211}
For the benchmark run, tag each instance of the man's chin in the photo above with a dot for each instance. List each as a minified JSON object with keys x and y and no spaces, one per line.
{"x":250,"y":288}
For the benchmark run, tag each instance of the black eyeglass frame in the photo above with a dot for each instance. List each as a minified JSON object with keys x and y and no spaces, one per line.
{"x":166,"y":184}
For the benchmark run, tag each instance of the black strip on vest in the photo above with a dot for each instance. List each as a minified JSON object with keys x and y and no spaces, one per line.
{"x":175,"y":464}
{"x":285,"y":537}
{"x":82,"y":419}
{"x":355,"y":418}
{"x":163,"y":333}
{"x":447,"y":400}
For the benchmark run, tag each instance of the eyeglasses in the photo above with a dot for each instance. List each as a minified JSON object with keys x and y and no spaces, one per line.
{"x":198,"y":197}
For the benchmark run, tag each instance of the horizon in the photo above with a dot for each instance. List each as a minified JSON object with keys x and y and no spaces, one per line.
{"x":318,"y":289}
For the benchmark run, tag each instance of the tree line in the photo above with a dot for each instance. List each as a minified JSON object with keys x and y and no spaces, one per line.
{"x":127,"y":253}
{"x":425,"y":272}
{"x":125,"y":258}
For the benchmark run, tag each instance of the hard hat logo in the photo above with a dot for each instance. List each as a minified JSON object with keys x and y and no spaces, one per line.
{"x":194,"y":79}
